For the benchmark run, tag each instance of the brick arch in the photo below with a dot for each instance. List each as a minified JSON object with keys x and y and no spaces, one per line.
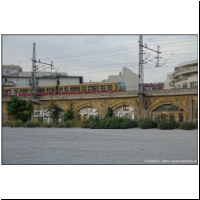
{"x":127,"y":104}
{"x":83,"y":106}
{"x":46,"y":105}
{"x":151,"y":109}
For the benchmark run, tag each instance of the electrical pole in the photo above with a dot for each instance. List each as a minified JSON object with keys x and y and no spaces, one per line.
{"x":34,"y":83}
{"x":33,"y":74}
{"x":140,"y":69}
{"x":157,"y":65}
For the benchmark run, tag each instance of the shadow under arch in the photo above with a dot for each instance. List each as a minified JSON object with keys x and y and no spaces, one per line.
{"x":167,"y":110}
{"x":126,"y":109}
{"x":152,"y":108}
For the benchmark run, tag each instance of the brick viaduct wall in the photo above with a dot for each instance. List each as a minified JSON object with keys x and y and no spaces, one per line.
{"x":188,"y":102}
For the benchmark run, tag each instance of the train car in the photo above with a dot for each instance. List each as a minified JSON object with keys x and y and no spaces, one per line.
{"x":16,"y":91}
{"x":66,"y":89}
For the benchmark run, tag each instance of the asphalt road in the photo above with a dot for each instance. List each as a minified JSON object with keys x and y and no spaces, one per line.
{"x":40,"y":146}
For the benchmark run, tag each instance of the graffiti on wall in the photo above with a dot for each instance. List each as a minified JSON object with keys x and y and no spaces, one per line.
{"x":86,"y":112}
{"x":126,"y":111}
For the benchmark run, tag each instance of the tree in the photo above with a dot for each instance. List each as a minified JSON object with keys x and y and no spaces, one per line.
{"x":67,"y":115}
{"x":109,"y":112}
{"x":19,"y":109}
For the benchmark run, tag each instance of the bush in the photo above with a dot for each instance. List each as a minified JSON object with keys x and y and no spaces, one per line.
{"x":167,"y":124}
{"x":48,"y":125}
{"x":108,"y":123}
{"x":17,"y":123}
{"x":29,"y":124}
{"x":146,"y":124}
{"x":187,"y":125}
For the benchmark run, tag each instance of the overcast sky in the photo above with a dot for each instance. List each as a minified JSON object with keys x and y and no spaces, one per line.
{"x":95,"y":57}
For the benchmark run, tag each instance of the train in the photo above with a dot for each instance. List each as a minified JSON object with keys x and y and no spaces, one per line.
{"x":88,"y":88}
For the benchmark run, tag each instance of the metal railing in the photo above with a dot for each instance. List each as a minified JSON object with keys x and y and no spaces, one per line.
{"x":185,"y":70}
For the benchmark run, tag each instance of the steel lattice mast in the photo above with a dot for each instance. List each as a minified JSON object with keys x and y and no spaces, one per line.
{"x":140,"y":69}
{"x":33,"y":75}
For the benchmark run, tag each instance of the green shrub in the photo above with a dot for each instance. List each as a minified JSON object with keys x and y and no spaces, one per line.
{"x":85,"y":123}
{"x":49,"y":125}
{"x":108,"y":123}
{"x":17,"y":123}
{"x":146,"y":123}
{"x":29,"y":124}
{"x":61,"y":125}
{"x":167,"y":124}
{"x":105,"y":123}
{"x":187,"y":125}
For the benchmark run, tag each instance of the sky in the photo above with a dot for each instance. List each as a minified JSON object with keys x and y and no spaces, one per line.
{"x":97,"y":56}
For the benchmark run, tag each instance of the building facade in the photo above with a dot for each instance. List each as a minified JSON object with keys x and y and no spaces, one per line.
{"x":184,"y":75}
{"x":13,"y":76}
{"x":128,"y":77}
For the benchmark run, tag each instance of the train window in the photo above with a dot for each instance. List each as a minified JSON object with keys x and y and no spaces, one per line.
{"x":74,"y":89}
{"x":109,"y":87}
{"x":48,"y":90}
{"x":93,"y":88}
{"x":84,"y":89}
{"x":41,"y":90}
{"x":115,"y":87}
{"x":60,"y":89}
{"x":23,"y":91}
{"x":96,"y":88}
{"x":52,"y":90}
{"x":66,"y":89}
{"x":7,"y":91}
{"x":103,"y":87}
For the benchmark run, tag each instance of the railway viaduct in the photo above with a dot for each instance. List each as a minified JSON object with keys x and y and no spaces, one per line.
{"x":180,"y":104}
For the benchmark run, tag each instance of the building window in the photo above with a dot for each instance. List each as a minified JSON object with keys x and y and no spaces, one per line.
{"x":193,"y":84}
{"x":163,"y":116}
{"x":155,"y":117}
{"x":171,"y":116}
{"x":185,"y":85}
{"x":180,"y":116}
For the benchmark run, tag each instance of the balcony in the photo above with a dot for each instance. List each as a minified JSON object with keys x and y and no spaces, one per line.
{"x":185,"y":70}
{"x":180,"y":79}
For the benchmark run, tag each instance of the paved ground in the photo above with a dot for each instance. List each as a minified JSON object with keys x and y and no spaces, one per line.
{"x":102,"y":146}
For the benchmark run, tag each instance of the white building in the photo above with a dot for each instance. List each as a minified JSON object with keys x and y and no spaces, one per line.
{"x":13,"y":76}
{"x":184,"y":75}
{"x":128,"y":77}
